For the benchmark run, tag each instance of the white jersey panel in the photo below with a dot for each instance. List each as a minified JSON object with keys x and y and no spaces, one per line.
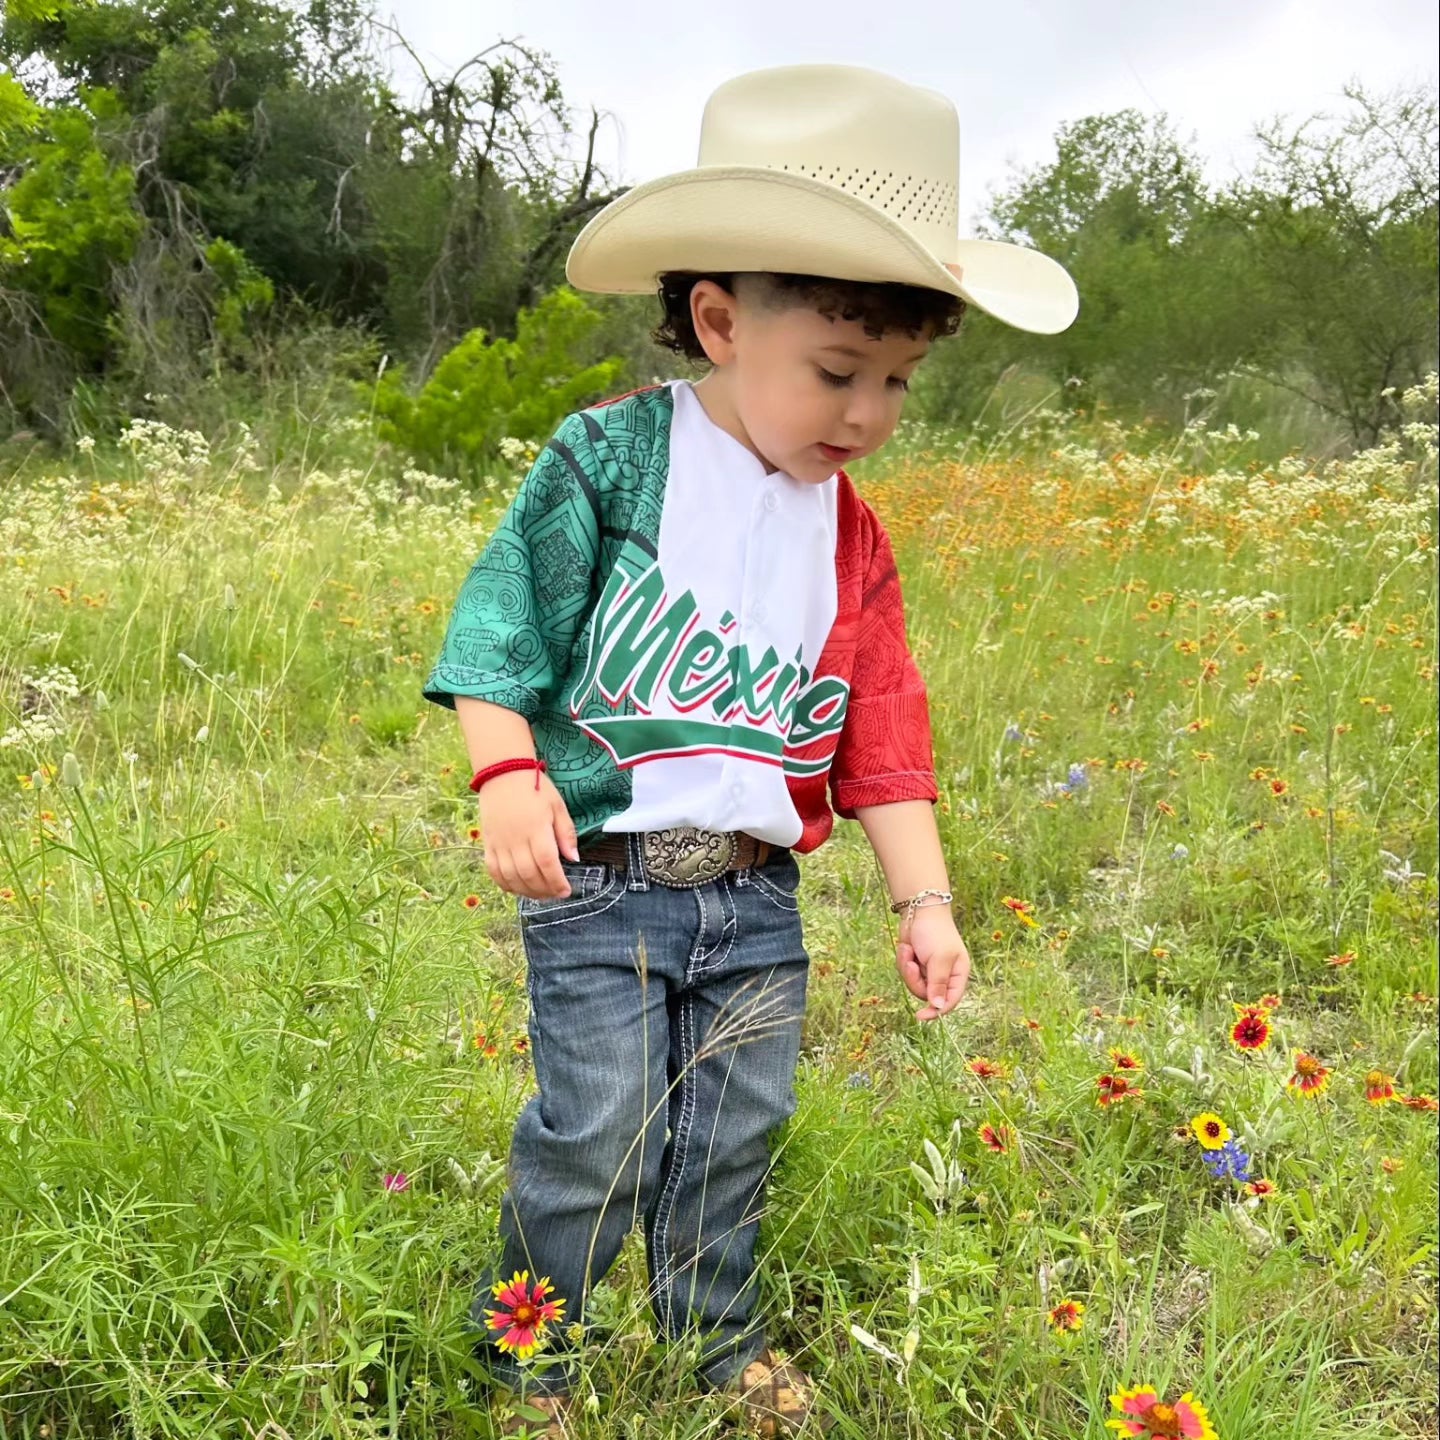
{"x":757,"y":552}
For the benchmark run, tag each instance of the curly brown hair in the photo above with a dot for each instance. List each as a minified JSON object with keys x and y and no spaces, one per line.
{"x":879,"y":306}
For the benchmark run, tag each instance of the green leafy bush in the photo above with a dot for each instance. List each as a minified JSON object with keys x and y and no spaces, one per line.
{"x":486,"y":390}
{"x":69,"y":218}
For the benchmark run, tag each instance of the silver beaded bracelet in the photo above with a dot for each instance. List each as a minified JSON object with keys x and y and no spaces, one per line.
{"x":918,"y":902}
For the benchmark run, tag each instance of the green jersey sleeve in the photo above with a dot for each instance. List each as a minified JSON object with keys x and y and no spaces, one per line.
{"x":527,"y":596}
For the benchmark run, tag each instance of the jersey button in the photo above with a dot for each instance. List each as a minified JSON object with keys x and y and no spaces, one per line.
{"x":772,"y":501}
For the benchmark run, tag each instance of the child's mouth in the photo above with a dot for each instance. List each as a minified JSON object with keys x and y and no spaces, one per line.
{"x":835,"y":452}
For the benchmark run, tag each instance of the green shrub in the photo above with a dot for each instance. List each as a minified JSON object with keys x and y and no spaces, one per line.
{"x":486,"y":390}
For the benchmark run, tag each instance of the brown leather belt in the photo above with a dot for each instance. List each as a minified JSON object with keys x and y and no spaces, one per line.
{"x":684,"y":857}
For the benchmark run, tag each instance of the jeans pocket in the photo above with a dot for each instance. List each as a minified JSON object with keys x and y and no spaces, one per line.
{"x":593,"y":889}
{"x":778,"y":882}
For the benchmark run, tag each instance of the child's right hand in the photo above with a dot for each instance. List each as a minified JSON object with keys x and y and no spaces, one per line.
{"x":525,"y":831}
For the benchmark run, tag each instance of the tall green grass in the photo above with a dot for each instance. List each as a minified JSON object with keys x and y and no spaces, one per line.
{"x":240,"y":983}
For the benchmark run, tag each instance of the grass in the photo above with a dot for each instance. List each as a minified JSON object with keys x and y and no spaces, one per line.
{"x":1184,"y":710}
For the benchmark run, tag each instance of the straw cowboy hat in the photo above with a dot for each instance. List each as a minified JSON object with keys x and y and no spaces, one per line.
{"x":831,"y":170}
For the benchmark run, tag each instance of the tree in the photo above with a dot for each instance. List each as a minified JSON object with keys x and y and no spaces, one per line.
{"x":1116,"y":206}
{"x":271,"y":140}
{"x":1338,"y":222}
{"x":66,"y":225}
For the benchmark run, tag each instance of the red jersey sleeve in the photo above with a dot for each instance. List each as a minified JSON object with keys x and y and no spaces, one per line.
{"x":884,"y":753}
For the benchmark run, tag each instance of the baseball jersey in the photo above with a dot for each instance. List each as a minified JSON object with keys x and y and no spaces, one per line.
{"x":694,"y":640}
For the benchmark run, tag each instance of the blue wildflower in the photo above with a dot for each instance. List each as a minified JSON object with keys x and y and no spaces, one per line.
{"x":1077,"y":779}
{"x":1229,"y":1162}
{"x":1014,"y":732}
{"x":1180,"y":852}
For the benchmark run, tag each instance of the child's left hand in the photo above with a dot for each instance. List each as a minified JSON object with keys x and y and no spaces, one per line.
{"x":933,"y":961}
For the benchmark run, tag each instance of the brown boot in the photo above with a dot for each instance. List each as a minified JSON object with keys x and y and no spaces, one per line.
{"x":555,"y":1409}
{"x":774,"y":1398}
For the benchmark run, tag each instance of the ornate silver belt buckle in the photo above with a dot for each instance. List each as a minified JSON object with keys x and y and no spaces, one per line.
{"x":687,"y":856}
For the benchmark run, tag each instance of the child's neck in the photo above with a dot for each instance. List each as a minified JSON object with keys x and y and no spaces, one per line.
{"x":719,"y":404}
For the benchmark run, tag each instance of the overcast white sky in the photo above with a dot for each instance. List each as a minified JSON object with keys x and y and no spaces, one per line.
{"x":1015,"y":70}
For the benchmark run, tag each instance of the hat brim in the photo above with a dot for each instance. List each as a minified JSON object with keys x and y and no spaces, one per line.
{"x":730,"y":218}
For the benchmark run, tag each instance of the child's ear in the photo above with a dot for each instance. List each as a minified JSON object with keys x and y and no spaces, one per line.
{"x":712,"y":312}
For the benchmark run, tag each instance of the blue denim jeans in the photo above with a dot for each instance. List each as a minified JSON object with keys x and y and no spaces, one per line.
{"x":665,"y":1029}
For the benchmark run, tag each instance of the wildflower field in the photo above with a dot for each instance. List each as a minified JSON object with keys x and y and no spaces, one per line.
{"x":1169,"y":1171}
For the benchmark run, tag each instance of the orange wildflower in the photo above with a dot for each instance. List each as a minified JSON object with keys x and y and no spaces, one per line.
{"x":986,"y":1068}
{"x":1114,"y":1088}
{"x":996,"y":1138}
{"x":1309,"y":1077}
{"x":1022,"y":908}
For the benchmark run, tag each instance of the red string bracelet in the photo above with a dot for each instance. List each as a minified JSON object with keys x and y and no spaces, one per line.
{"x":504,"y":767}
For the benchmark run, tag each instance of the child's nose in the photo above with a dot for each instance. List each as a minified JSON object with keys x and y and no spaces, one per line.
{"x":864,"y":415}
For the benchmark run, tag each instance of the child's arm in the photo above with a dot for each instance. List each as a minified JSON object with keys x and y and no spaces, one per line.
{"x":510,"y":637}
{"x":525,"y":828}
{"x":931,"y":957}
{"x":883,"y":776}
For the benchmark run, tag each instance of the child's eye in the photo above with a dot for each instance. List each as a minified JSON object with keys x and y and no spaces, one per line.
{"x":840,"y":381}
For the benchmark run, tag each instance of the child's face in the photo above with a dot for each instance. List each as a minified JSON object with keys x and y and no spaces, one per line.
{"x":800,"y":382}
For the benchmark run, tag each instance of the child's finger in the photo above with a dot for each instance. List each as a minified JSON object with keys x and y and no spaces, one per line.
{"x":550,"y":878}
{"x":565,"y":837}
{"x":937,"y":975}
{"x":527,"y":873}
{"x":506,"y":875}
{"x":910,"y":971}
{"x":959,"y":980}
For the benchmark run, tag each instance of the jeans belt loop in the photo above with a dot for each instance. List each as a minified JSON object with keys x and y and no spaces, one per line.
{"x":636,"y":876}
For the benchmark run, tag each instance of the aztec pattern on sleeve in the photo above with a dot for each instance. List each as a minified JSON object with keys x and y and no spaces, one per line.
{"x":521,"y":625}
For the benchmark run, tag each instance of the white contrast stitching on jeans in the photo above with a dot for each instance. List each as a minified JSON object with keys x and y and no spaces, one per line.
{"x":696,"y":952}
{"x":535,"y":923}
{"x":780,"y":898}
{"x":723,"y":955}
{"x":682,"y":1147}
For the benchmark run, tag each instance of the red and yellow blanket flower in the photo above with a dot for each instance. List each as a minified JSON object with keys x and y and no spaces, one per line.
{"x":996,"y":1137}
{"x":1380,"y":1087}
{"x":1251,"y":1030}
{"x":1114,"y":1088}
{"x":523,"y":1314}
{"x":1145,"y":1415}
{"x":1067,"y":1317}
{"x":984,"y":1068}
{"x":1124,"y":1060}
{"x":1308,"y":1077}
{"x":1022,"y":909}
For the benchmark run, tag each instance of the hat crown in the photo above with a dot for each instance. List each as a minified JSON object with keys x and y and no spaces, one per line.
{"x":893,"y":145}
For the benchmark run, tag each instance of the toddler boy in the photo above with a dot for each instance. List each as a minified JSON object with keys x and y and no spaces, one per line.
{"x":682,"y":654}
